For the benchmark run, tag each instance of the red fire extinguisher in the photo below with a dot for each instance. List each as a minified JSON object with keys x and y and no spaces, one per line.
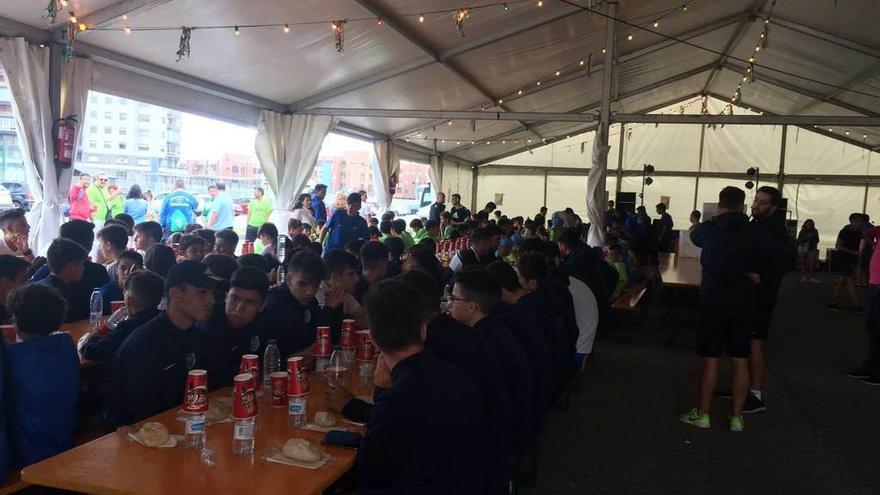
{"x":65,"y":135}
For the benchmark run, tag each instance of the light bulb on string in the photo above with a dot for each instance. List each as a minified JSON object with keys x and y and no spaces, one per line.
{"x":379,"y":21}
{"x":529,"y":140}
{"x":758,"y":48}
{"x":540,"y":3}
{"x":421,"y":18}
{"x":449,"y":123}
{"x":124,"y":17}
{"x":656,"y":24}
{"x":505,"y":7}
{"x":684,"y":8}
{"x":519,"y":92}
{"x":581,"y":62}
{"x":237,"y":31}
{"x":500,"y":101}
{"x":286,"y":28}
{"x":127,"y":30}
{"x":458,"y":142}
{"x":503,"y":141}
{"x":864,"y":136}
{"x":603,"y":51}
{"x":539,"y":83}
{"x":629,"y":37}
{"x":847,"y":133}
{"x":472,"y":142}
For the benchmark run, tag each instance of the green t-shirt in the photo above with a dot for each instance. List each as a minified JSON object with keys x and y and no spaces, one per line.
{"x":407,"y":239}
{"x":100,"y":198}
{"x":117,"y":205}
{"x":448,"y":231}
{"x":259,"y":211}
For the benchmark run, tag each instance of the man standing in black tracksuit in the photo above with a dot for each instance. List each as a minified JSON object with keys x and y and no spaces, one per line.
{"x":150,"y":368}
{"x":426,"y":432}
{"x":727,"y":293}
{"x":778,"y":251}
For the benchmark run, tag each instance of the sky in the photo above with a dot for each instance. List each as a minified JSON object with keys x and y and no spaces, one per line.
{"x":207,"y":139}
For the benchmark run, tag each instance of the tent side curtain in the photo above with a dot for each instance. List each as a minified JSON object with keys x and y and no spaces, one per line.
{"x":126,"y":84}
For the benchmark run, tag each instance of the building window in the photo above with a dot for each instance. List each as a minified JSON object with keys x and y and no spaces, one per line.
{"x":143,"y":133}
{"x":143,"y":161}
{"x":235,"y":169}
{"x":144,"y":117}
{"x":123,"y":115}
{"x":122,"y":145}
{"x":123,"y":101}
{"x":108,"y":130}
{"x":108,"y":100}
{"x":123,"y":131}
{"x":108,"y":145}
{"x":108,"y":115}
{"x":93,"y":144}
{"x":143,"y":147}
{"x":93,"y":129}
{"x":93,"y":114}
{"x":93,"y":99}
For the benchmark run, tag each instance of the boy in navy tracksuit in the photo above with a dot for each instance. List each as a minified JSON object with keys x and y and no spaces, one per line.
{"x":475,"y":296}
{"x":426,"y":431}
{"x":243,"y":322}
{"x":42,"y":377}
{"x":731,"y":250}
{"x":150,"y":367}
{"x":66,"y":261}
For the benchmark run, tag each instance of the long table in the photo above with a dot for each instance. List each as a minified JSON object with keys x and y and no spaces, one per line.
{"x":114,"y":465}
{"x":676,"y":271}
{"x":76,"y":330}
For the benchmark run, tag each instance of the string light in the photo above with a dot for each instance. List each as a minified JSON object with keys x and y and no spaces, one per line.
{"x":540,"y":3}
{"x":124,"y":17}
{"x":449,"y":123}
{"x":82,"y":27}
{"x":603,"y":51}
{"x":72,"y":18}
{"x":557,"y":73}
{"x":286,"y":28}
{"x":127,"y":30}
{"x":421,"y":18}
{"x":519,"y":92}
{"x":458,"y":142}
{"x":379,"y":21}
{"x":237,"y":31}
{"x":500,"y":101}
{"x":847,"y":133}
{"x":539,"y":83}
{"x":581,"y":62}
{"x":505,"y":7}
{"x":656,"y":24}
{"x":864,"y":136}
{"x":629,"y":37}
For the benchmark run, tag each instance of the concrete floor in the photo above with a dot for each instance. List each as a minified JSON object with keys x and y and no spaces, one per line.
{"x":821,"y":434}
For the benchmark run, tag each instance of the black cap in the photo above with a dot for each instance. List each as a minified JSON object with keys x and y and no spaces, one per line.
{"x":190,"y":273}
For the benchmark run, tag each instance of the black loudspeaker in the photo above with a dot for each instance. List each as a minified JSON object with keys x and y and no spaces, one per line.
{"x":625,"y":201}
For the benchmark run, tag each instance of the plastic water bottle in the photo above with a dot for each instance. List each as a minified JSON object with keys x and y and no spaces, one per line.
{"x":195,"y":431}
{"x":296,"y":410}
{"x":271,"y":364}
{"x":96,"y":310}
{"x":243,"y":437}
{"x":120,"y":315}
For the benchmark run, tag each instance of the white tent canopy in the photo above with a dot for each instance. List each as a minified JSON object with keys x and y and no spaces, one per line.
{"x":822,"y":59}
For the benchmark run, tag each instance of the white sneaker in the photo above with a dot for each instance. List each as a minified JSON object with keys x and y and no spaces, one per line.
{"x":814,"y":280}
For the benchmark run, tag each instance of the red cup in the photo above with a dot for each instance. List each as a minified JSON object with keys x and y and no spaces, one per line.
{"x":365,"y":349}
{"x":250,"y":363}
{"x":279,"y":388}
{"x":116,"y":306}
{"x":323,"y":343}
{"x":195,"y":398}
{"x":9,"y":333}
{"x":298,"y":382}
{"x":347,"y":337}
{"x":244,"y":397}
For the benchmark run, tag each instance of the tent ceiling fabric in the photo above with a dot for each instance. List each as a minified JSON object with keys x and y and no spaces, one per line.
{"x":426,"y":65}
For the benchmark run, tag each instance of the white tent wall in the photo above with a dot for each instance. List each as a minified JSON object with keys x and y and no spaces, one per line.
{"x":807,"y":152}
{"x":828,"y":205}
{"x":735,"y":148}
{"x":523,"y":194}
{"x":568,"y":191}
{"x":680,"y":191}
{"x":669,"y":147}
{"x":459,"y":179}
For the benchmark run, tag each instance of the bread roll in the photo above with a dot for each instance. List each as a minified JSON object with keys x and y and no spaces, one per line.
{"x":301,"y":450}
{"x":325,"y":419}
{"x":217,"y":411}
{"x":153,"y":434}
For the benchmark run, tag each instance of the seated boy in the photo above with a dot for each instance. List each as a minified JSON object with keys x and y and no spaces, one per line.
{"x":338,"y":286}
{"x":242,"y":321}
{"x":294,"y":227}
{"x":113,"y":241}
{"x":426,"y":433}
{"x":292,"y":310}
{"x":192,"y":247}
{"x":150,"y":367}
{"x":614,"y":257}
{"x":127,"y":262}
{"x":398,"y":228}
{"x":226,"y":242}
{"x":210,"y":237}
{"x":146,"y":234}
{"x":65,"y":260}
{"x":268,"y":235}
{"x":13,"y":274}
{"x":374,"y":267}
{"x":82,"y":233}
{"x":42,"y":377}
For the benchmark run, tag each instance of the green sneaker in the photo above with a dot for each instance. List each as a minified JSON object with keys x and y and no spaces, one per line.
{"x":694,"y":418}
{"x":737,"y":424}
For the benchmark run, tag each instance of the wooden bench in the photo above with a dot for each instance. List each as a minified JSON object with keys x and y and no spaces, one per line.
{"x":13,"y":483}
{"x":629,"y":299}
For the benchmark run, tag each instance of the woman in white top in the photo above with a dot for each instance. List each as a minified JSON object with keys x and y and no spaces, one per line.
{"x":302,"y":210}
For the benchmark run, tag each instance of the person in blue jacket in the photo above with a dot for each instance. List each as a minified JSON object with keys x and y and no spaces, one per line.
{"x":426,"y":431}
{"x":178,"y":210}
{"x":42,"y":382}
{"x":66,"y":260}
{"x":318,"y":206}
{"x":475,"y":296}
{"x":128,"y":262}
{"x":151,"y":365}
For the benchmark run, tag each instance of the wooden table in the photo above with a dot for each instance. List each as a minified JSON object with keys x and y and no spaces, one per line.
{"x":113,"y":465}
{"x":76,"y":330}
{"x":679,"y":272}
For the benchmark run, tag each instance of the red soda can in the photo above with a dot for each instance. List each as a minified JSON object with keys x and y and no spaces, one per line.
{"x":195,"y":397}
{"x":279,"y":388}
{"x":347,"y":337}
{"x":365,"y":349}
{"x":248,"y":247}
{"x":250,"y":363}
{"x":9,"y":333}
{"x":244,"y":397}
{"x":116,"y":306}
{"x":298,"y":382}
{"x":323,"y":343}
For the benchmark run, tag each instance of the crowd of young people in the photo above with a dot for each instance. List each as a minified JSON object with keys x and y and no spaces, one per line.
{"x":471,"y":356}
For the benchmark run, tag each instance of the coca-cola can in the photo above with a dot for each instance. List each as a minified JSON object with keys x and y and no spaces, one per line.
{"x":347,"y":337}
{"x":195,"y":397}
{"x":279,"y":388}
{"x":323,"y":343}
{"x":116,"y":306}
{"x":244,"y":397}
{"x":297,"y":381}
{"x":250,"y":363}
{"x":365,"y":349}
{"x":9,"y":333}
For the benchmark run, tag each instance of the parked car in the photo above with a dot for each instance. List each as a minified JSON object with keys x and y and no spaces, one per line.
{"x":240,"y":206}
{"x":21,"y":195}
{"x":6,"y":202}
